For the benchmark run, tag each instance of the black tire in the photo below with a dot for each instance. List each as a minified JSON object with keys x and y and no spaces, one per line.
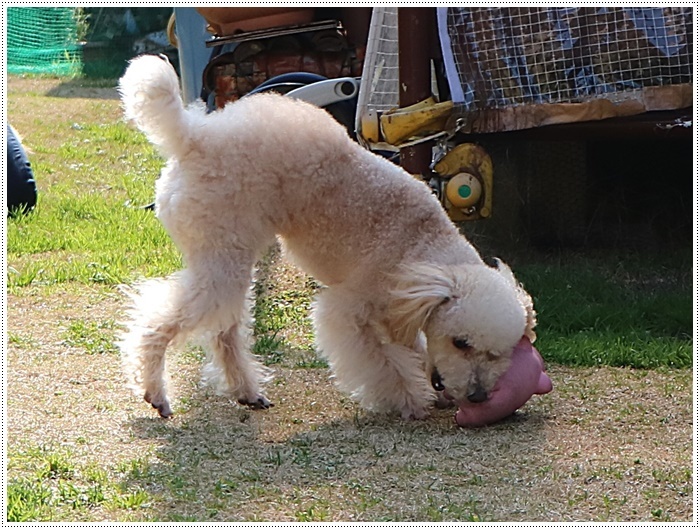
{"x":343,"y":111}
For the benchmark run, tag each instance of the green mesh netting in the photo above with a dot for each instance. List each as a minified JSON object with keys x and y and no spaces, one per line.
{"x":43,"y":40}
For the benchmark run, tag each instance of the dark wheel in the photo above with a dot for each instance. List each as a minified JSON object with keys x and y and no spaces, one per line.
{"x":343,"y":111}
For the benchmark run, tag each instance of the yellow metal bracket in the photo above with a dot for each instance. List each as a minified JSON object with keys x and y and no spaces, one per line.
{"x":398,"y":125}
{"x":468,"y":191}
{"x":466,"y":172}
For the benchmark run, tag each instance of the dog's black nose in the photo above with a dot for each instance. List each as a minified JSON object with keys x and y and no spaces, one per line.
{"x":479,"y":395}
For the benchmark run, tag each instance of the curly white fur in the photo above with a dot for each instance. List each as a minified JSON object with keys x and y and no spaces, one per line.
{"x":401,"y":282}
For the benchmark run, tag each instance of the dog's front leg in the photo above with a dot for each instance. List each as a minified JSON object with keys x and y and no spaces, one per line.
{"x":382,"y":375}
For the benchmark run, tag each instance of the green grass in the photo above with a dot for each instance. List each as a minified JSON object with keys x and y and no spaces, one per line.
{"x":276,"y":312}
{"x":92,"y":337}
{"x":618,"y":309}
{"x":53,"y":485}
{"x":86,"y":227}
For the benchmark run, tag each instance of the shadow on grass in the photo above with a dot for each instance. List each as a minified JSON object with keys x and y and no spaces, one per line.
{"x":590,"y":450}
{"x":625,"y":309}
{"x":220,"y":462}
{"x":85,"y":88}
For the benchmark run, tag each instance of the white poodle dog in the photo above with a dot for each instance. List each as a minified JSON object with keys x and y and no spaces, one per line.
{"x":409,"y":311}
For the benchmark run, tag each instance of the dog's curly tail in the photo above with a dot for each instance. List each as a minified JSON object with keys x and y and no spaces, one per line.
{"x":150,"y":93}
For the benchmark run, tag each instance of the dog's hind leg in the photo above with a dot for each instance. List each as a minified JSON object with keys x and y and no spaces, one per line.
{"x":156,"y":322}
{"x":381,"y":375}
{"x":232,"y":369}
{"x":208,"y":300}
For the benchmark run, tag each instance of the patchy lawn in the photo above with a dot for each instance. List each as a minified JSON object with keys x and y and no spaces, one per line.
{"x":608,"y":444}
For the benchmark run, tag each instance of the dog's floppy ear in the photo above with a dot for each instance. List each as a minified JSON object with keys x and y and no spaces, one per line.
{"x":523,"y":296}
{"x":419,"y":289}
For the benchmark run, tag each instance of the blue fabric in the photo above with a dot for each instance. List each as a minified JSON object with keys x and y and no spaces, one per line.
{"x":192,"y":35}
{"x":21,"y":187}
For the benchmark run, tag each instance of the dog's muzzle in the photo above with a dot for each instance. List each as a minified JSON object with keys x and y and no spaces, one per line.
{"x":478,"y":395}
{"x":475,"y":397}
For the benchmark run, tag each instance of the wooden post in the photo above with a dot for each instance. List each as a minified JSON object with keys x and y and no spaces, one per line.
{"x":415,"y":38}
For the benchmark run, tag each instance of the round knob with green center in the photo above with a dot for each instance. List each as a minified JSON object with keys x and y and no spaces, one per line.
{"x":464,"y":190}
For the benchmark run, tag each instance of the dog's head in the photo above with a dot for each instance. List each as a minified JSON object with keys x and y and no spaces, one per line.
{"x":472,"y":317}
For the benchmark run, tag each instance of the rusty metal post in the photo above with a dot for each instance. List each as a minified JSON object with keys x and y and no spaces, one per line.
{"x":415,"y":26}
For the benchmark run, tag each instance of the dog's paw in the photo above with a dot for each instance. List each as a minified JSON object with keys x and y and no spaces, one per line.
{"x":414,"y":414}
{"x":259,"y":403}
{"x":160,"y":404}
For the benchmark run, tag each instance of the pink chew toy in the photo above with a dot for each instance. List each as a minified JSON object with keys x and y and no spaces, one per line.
{"x":524,"y":378}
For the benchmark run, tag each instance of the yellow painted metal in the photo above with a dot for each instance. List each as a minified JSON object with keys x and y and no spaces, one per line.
{"x":467,"y":167}
{"x":462,"y":163}
{"x":170,"y":31}
{"x":397,"y":125}
{"x":425,"y":117}
{"x":369,"y":127}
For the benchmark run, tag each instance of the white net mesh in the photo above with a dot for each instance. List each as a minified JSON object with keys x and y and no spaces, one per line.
{"x":504,"y":59}
{"x":379,"y":89}
{"x":522,"y":55}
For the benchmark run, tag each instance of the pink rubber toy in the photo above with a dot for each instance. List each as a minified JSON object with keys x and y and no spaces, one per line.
{"x":524,"y":378}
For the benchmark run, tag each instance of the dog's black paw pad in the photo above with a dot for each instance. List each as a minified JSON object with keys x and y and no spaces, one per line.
{"x":261,"y":403}
{"x":163,"y":407}
{"x":164,"y":410}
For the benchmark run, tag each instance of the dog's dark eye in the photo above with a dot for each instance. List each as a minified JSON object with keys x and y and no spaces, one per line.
{"x":436,"y":381}
{"x":461,"y":343}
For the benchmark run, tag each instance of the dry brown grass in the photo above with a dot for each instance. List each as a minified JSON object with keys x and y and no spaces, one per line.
{"x":607,"y":445}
